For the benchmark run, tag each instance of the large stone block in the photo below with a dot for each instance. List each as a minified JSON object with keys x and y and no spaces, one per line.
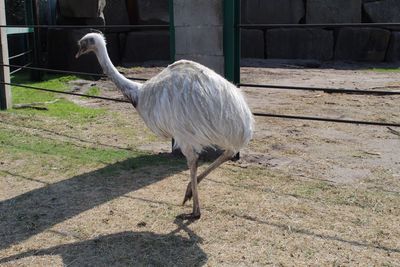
{"x":211,"y":13}
{"x":252,"y":44}
{"x":145,"y":46}
{"x":337,"y":11}
{"x":383,"y":11}
{"x":299,"y":44}
{"x":16,"y":45}
{"x":122,"y":42}
{"x":115,"y":12}
{"x":274,"y":11}
{"x":80,"y":21}
{"x":81,"y":9}
{"x":393,"y":51}
{"x":207,"y":40}
{"x":215,"y":63}
{"x":153,"y":12}
{"x":362,"y":44}
{"x":113,"y":47}
{"x":62,"y":47}
{"x":243,"y":12}
{"x":199,"y":32}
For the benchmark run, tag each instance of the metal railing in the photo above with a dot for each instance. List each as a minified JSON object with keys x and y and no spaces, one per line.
{"x":266,"y":86}
{"x":132,"y":27}
{"x":320,"y":25}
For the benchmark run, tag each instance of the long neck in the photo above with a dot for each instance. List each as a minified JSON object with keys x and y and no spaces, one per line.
{"x":129,"y":89}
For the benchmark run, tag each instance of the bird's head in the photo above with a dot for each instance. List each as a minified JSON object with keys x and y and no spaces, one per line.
{"x":90,"y":43}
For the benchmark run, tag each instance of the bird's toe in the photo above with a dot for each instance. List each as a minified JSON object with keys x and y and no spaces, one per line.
{"x":189,"y":216}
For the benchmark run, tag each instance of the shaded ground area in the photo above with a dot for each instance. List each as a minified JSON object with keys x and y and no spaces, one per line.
{"x":97,"y":192}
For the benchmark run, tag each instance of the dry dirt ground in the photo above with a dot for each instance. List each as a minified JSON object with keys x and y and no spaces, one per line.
{"x":303,"y":193}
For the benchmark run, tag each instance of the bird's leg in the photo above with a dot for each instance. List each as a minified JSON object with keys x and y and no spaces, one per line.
{"x":193,"y":180}
{"x":221,"y":159}
{"x":192,"y":159}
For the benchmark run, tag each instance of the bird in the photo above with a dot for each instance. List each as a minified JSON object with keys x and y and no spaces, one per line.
{"x":188,"y":102}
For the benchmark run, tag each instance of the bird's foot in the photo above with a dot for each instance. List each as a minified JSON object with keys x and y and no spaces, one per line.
{"x":189,"y":216}
{"x":188,"y":194}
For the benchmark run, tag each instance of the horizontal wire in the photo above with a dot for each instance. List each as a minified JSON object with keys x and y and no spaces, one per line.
{"x":62,"y":92}
{"x":21,"y":68}
{"x":67,"y":71}
{"x":165,"y":26}
{"x":244,"y":26}
{"x":326,"y":25}
{"x":326,"y":119}
{"x":331,"y":90}
{"x":328,"y":90}
{"x":255,"y":114}
{"x":20,"y":55}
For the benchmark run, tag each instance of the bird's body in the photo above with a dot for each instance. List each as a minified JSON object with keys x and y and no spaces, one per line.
{"x":188,"y":102}
{"x":196,"y":107}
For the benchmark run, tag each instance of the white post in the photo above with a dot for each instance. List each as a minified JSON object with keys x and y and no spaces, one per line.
{"x":5,"y":90}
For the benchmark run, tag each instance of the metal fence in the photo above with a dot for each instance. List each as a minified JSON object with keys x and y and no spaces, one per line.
{"x":327,"y":90}
{"x":238,"y":27}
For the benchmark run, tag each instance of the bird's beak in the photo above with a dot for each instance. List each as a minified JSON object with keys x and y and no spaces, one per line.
{"x":82,"y":48}
{"x":80,"y":52}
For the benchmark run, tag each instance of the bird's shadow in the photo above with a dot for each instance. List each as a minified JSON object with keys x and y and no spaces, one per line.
{"x":33,"y":212}
{"x":128,"y":249}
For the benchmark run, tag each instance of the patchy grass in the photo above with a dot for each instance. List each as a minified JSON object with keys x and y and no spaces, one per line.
{"x":28,"y":143}
{"x":49,"y":156}
{"x":62,"y":109}
{"x":25,"y":95}
{"x":93,"y":91}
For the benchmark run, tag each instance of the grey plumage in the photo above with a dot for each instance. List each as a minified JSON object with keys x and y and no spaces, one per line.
{"x":188,"y":102}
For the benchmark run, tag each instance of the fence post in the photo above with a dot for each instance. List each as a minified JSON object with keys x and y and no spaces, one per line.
{"x":36,"y":75}
{"x":171,"y":30}
{"x":5,"y":90}
{"x":232,"y":40}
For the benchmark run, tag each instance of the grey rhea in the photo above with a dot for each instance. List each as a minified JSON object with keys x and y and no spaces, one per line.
{"x":188,"y":102}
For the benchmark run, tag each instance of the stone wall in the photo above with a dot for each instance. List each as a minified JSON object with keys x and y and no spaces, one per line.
{"x":62,"y":43}
{"x":353,"y":44}
{"x":136,"y":46}
{"x":198,"y":35}
{"x":125,"y":46}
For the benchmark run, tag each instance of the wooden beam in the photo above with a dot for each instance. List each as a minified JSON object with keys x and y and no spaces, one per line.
{"x":5,"y":90}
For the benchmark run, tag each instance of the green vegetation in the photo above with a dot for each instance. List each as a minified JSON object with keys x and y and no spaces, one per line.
{"x":57,"y":105}
{"x":93,"y":91}
{"x":25,"y":95}
{"x":29,"y":143}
